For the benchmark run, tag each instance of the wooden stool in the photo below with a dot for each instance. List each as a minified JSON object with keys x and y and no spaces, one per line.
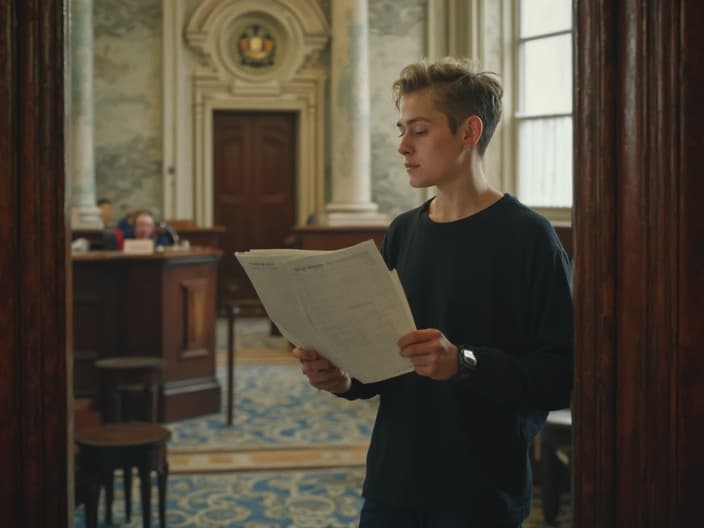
{"x":87,"y":492}
{"x":85,"y":416}
{"x":105,"y":448}
{"x":121,"y":379}
{"x":125,"y":384}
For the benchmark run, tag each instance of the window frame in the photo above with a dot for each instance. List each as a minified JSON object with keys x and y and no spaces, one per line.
{"x":561,"y":216}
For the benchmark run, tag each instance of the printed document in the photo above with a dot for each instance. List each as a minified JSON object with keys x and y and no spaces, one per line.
{"x":345,"y":304}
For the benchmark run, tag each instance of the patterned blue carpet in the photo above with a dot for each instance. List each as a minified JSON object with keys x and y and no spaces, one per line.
{"x":275,"y":406}
{"x":315,"y":499}
{"x":300,"y":499}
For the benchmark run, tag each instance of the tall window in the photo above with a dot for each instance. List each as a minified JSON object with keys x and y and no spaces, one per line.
{"x":544,"y":103}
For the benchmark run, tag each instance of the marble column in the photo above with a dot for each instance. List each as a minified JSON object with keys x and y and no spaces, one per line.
{"x":84,"y":211}
{"x":351,"y":144}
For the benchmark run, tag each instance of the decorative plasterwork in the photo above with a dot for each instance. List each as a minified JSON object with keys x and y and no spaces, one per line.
{"x":293,"y":83}
{"x":300,"y":23}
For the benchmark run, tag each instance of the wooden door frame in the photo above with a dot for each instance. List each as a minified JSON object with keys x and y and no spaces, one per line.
{"x":36,"y":359}
{"x":308,"y":153}
{"x":638,"y":229}
{"x":218,"y":83}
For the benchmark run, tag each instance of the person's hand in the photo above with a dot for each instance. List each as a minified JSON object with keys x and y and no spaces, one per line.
{"x":321,"y":373}
{"x":430,"y":352}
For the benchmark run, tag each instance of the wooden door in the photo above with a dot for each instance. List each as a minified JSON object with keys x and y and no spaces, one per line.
{"x":254,"y":188}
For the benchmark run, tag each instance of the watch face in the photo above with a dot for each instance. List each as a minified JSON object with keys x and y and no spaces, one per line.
{"x":469,"y":360}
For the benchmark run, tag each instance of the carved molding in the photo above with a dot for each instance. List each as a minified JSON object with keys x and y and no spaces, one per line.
{"x":292,"y":83}
{"x":300,"y":26}
{"x":194,"y":297}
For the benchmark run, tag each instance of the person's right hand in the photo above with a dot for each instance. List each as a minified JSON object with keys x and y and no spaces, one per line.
{"x":321,"y":373}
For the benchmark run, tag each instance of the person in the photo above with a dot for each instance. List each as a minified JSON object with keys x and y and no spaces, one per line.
{"x":488,"y":283}
{"x":109,"y":239}
{"x":142,"y":225}
{"x":106,"y":213}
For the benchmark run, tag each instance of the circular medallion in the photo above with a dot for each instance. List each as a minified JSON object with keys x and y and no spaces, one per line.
{"x":256,"y":46}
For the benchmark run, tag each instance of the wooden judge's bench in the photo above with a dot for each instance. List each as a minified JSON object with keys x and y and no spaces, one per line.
{"x":326,"y":237}
{"x":161,"y":305}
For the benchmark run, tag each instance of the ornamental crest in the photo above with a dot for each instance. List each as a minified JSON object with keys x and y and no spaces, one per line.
{"x":256,"y":46}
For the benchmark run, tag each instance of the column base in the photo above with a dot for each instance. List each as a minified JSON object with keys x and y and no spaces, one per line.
{"x":356,"y":219}
{"x":86,"y":218}
{"x":350,"y":214}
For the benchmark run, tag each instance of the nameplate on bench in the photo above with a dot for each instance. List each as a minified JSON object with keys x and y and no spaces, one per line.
{"x":139,"y":246}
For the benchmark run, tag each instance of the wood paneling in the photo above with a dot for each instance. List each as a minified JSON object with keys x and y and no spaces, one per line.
{"x":638,"y":284}
{"x":159,"y":305}
{"x":202,"y":236}
{"x":34,"y":356}
{"x":325,"y":237}
{"x":196,"y":331}
{"x":594,"y":272}
{"x":689,"y":219}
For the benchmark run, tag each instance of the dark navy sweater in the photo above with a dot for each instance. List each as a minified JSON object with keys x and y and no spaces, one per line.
{"x":498,"y":280}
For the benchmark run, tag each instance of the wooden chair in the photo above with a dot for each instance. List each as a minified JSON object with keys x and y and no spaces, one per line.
{"x":555,"y":451}
{"x":86,"y":491}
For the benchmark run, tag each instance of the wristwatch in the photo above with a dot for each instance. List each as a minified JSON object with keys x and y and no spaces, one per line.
{"x":466,"y":360}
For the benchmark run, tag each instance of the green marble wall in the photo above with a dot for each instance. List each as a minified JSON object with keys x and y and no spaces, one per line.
{"x":128,"y":66}
{"x":128,"y":136}
{"x":396,"y":38}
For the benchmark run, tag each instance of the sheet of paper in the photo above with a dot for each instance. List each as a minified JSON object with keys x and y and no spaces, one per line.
{"x":345,"y":304}
{"x":276,"y":291}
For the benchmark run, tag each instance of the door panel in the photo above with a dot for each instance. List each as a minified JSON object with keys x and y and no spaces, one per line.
{"x":254,"y":186}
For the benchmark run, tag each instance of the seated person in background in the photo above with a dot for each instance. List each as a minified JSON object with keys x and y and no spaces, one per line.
{"x":141,"y":225}
{"x":106,"y":213}
{"x":125,"y":227}
{"x":109,"y":240}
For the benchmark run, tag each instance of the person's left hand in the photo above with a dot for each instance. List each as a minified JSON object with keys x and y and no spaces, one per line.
{"x":430,"y":352}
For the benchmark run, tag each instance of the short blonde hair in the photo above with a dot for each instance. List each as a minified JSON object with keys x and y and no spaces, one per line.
{"x":458,"y":92}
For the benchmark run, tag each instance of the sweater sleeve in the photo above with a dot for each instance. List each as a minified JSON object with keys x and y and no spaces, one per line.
{"x":538,"y":376}
{"x":362,"y":391}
